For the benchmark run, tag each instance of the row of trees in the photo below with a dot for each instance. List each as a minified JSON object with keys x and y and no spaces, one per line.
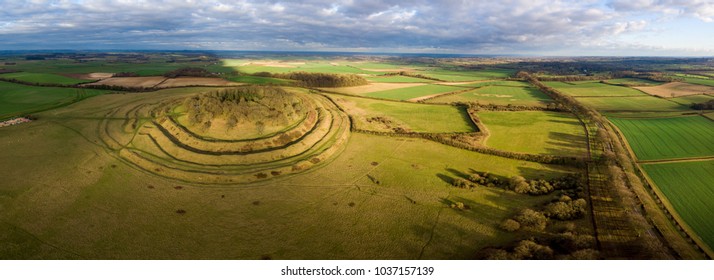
{"x":189,"y":72}
{"x":308,"y":79}
{"x":709,"y":105}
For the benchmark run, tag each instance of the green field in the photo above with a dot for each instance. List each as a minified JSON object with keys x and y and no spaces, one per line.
{"x":593,"y":88}
{"x":688,"y":100}
{"x":700,"y":81}
{"x":101,"y":207}
{"x":644,"y":103}
{"x":412,"y":116}
{"x":688,"y":187}
{"x":668,"y":138}
{"x":397,"y":79}
{"x":633,"y":82}
{"x":535,"y":132}
{"x":499,"y":95}
{"x":412,"y":92}
{"x":43,"y":78}
{"x":16,"y":99}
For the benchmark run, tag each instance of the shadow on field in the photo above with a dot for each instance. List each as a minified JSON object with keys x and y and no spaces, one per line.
{"x":465,"y":116}
{"x":534,"y":174}
{"x":568,"y":144}
{"x":461,"y":233}
{"x":445,"y":178}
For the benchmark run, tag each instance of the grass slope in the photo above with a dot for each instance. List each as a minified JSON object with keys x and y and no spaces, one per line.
{"x":688,"y":187}
{"x":668,"y":138}
{"x":535,"y":132}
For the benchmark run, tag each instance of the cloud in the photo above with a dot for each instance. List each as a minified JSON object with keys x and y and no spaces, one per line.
{"x":450,"y":25}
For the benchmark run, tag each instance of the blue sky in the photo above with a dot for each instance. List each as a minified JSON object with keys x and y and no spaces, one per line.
{"x":526,"y":27}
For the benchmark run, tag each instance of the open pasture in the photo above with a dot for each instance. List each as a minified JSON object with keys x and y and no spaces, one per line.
{"x":373,"y":87}
{"x":413,"y":92}
{"x":631,"y":82}
{"x":43,"y":78}
{"x":689,"y":189}
{"x":677,"y":89}
{"x":396,"y":79}
{"x":145,"y":82}
{"x":307,"y":66}
{"x":498,"y":95}
{"x":104,"y":206}
{"x":668,"y":138}
{"x":688,"y":100}
{"x":535,"y":132}
{"x":642,"y":104}
{"x":593,"y":88}
{"x":387,"y":115}
{"x":16,"y":99}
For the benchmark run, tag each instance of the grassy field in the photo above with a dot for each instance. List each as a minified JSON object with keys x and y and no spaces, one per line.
{"x":644,"y":103}
{"x":259,"y":80}
{"x":633,"y":82}
{"x":700,"y":81}
{"x":593,"y":88}
{"x":688,"y":100}
{"x":412,"y":92}
{"x":710,"y":115}
{"x":397,"y":79}
{"x":688,"y":187}
{"x":412,"y":116}
{"x":668,"y":138}
{"x":535,"y":132}
{"x":16,"y":99}
{"x":43,"y":78}
{"x":499,"y":95}
{"x":101,"y":207}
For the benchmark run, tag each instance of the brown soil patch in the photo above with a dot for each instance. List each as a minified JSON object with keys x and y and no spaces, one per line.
{"x":373,"y":87}
{"x":677,"y":89}
{"x":196,"y":81}
{"x":131,"y":81}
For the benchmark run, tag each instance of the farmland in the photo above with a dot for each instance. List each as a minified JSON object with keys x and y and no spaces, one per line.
{"x":124,"y":203}
{"x":409,"y":116}
{"x":594,"y":88}
{"x":535,"y":132}
{"x":677,"y":89}
{"x":43,"y":78}
{"x":223,"y":164}
{"x":668,"y":138}
{"x":687,"y":186}
{"x":413,"y":92}
{"x":644,"y":103}
{"x":499,"y":95}
{"x":18,"y":99}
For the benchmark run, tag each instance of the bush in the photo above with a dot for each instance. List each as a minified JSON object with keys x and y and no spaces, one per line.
{"x":510,"y":225}
{"x":532,"y":219}
{"x":569,"y":210}
{"x":530,"y":250}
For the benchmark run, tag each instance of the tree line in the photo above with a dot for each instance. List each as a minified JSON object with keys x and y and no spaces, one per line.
{"x":309,"y":79}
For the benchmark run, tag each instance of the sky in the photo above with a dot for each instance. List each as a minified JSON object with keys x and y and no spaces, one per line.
{"x":507,"y":27}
